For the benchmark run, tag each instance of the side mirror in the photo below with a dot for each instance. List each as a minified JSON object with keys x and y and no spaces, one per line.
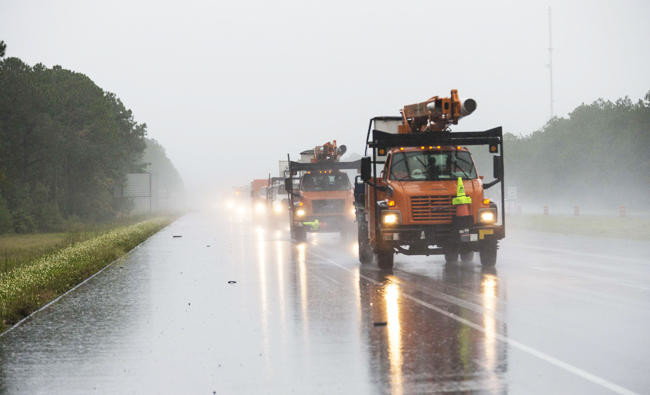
{"x":288,"y":185}
{"x":498,"y":167}
{"x":365,"y":168}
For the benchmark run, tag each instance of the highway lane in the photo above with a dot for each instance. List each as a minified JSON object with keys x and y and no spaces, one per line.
{"x":559,"y":313}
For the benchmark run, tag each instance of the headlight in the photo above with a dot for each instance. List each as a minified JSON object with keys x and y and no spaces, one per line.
{"x":353,"y":212}
{"x":390,"y":218}
{"x":277,"y":208}
{"x":300,"y":212}
{"x":260,"y":208}
{"x":487,"y":215}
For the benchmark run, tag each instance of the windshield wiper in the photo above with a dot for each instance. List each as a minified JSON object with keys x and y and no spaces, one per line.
{"x":455,"y":161}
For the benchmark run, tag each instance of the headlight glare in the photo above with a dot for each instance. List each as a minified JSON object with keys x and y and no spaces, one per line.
{"x":487,"y":216}
{"x":260,"y":208}
{"x":390,"y":218}
{"x":300,"y":212}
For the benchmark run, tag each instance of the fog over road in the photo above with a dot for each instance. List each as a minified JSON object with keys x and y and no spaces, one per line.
{"x":558,"y":314}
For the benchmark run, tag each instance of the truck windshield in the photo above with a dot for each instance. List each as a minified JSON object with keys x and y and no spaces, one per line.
{"x":432,"y":165}
{"x":325,"y":182}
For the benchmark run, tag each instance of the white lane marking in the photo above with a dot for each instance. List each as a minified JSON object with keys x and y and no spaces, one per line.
{"x":329,"y":279}
{"x":530,"y":350}
{"x":589,"y":254}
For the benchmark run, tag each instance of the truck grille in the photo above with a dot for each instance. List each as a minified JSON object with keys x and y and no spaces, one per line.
{"x":328,"y":206}
{"x":431,"y":208}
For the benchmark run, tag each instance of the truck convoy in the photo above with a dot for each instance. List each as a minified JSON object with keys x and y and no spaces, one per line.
{"x":322,"y":200}
{"x":428,"y":197}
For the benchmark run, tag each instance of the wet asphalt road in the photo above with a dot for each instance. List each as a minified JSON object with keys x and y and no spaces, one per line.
{"x":559,"y":314}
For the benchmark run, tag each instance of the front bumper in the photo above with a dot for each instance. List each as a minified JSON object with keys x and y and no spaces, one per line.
{"x":439,"y":234}
{"x":326,"y":223}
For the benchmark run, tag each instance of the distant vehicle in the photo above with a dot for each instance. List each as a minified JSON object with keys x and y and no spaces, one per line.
{"x":258,"y":195}
{"x":276,"y":196}
{"x":323,"y":200}
{"x":427,"y":197}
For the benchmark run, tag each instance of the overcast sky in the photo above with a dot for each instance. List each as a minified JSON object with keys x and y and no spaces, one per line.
{"x":229,"y":87}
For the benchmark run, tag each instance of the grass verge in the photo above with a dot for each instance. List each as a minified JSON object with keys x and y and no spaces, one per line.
{"x":21,"y":249}
{"x":27,"y":287}
{"x":636,"y":228}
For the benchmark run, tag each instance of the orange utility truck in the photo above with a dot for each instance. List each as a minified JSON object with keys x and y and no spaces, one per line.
{"x":322,"y":200}
{"x":419,"y":192}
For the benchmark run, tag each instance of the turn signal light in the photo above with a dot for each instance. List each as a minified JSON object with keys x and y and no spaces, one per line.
{"x":486,"y":201}
{"x":391,"y":203}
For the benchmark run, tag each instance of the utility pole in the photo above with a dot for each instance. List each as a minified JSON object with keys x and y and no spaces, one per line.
{"x":550,"y":60}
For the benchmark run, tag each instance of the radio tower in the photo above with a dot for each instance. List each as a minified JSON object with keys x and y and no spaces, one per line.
{"x":550,"y":60}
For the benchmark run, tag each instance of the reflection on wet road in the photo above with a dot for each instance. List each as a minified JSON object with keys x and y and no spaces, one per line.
{"x":554,"y":316}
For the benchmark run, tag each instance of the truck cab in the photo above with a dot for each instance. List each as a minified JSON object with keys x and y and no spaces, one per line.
{"x":323,"y":199}
{"x":421,"y":194}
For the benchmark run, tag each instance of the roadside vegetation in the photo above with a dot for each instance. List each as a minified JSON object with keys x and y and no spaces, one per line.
{"x":636,"y":228}
{"x":35,"y":280}
{"x":20,"y":249}
{"x":66,"y":147}
{"x":596,"y":156}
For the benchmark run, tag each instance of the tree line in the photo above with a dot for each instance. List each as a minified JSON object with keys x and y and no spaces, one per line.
{"x":597,"y":156}
{"x":65,"y":146}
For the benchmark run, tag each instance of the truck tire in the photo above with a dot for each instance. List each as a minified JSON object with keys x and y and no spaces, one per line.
{"x":466,"y":256}
{"x":299,"y":234}
{"x":365,"y":254}
{"x":451,"y":254}
{"x":488,"y":253}
{"x":384,"y":259}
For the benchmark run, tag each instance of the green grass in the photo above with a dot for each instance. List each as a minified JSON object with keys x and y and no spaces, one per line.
{"x":636,"y":228}
{"x":16,"y":250}
{"x":20,"y":249}
{"x":26,"y":287}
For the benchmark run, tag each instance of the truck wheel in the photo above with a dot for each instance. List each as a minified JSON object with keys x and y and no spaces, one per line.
{"x":488,"y":253}
{"x":299,"y":234}
{"x":365,"y":254}
{"x":451,"y":254}
{"x":384,"y":259}
{"x":466,"y":256}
